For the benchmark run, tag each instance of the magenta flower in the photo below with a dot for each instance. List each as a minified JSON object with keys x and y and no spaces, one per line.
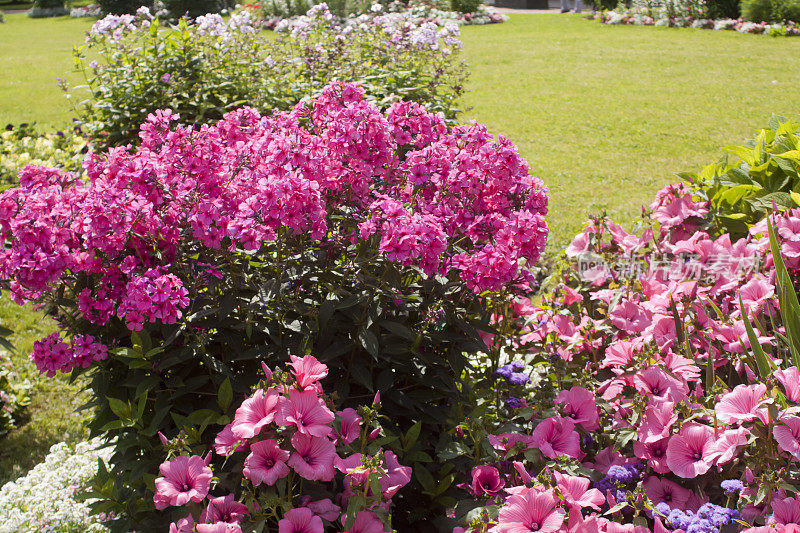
{"x":577,"y":493}
{"x":557,"y":436}
{"x":219,"y":527}
{"x":790,"y":379}
{"x":226,"y":442}
{"x":655,"y":453}
{"x":629,"y":316}
{"x":224,"y":509}
{"x":306,"y":411}
{"x":307,"y":370}
{"x":397,"y":476}
{"x":326,"y":509}
{"x":787,"y":435}
{"x":349,"y":427}
{"x":366,"y":522}
{"x":534,"y":511}
{"x":657,"y":422}
{"x":579,"y":405}
{"x":744,"y":404}
{"x":785,"y":511}
{"x":727,"y":445}
{"x":300,"y":520}
{"x":654,"y":382}
{"x":313,"y":458}
{"x":506,"y":441}
{"x":255,"y":413}
{"x":184,"y":525}
{"x":689,"y":452}
{"x":183,"y":479}
{"x":661,"y":490}
{"x":486,"y":481}
{"x":266,"y":463}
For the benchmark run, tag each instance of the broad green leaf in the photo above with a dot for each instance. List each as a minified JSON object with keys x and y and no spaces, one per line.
{"x":787,"y":296}
{"x":225,"y":394}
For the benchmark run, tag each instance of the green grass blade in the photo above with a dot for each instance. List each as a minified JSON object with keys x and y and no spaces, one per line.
{"x":763,"y":363}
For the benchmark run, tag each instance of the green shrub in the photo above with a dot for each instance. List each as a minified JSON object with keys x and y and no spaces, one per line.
{"x":722,"y":9}
{"x":748,"y":180}
{"x":465,"y":6}
{"x":14,"y":393}
{"x":121,"y":7}
{"x":771,"y":10}
{"x":281,"y":9}
{"x":203,"y":70}
{"x":176,"y":9}
{"x":24,"y":145}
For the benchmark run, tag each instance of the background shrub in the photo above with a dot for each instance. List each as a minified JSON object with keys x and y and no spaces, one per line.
{"x":465,"y":6}
{"x":771,"y":10}
{"x":722,"y":9}
{"x":121,"y":7}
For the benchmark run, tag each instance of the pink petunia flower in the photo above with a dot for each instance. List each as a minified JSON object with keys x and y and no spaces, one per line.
{"x":224,"y":509}
{"x":557,"y":436}
{"x":533,"y":511}
{"x":689,"y":452}
{"x":300,"y":520}
{"x":790,"y":379}
{"x":366,"y":522}
{"x":313,"y":458}
{"x":306,"y":411}
{"x":255,"y":413}
{"x":787,"y":435}
{"x":577,"y":493}
{"x":506,"y":441}
{"x":183,"y":479}
{"x":307,"y":370}
{"x":630,"y":316}
{"x":579,"y":405}
{"x":266,"y":463}
{"x":744,"y":403}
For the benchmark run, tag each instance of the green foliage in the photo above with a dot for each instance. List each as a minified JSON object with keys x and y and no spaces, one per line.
{"x":192,"y":8}
{"x":281,"y":9}
{"x":120,"y":7}
{"x":24,"y":145}
{"x":721,"y":9}
{"x":47,"y":4}
{"x":745,"y":183}
{"x":601,"y":5}
{"x":465,"y":6}
{"x":202,"y":76}
{"x":14,"y":392}
{"x":771,"y":10}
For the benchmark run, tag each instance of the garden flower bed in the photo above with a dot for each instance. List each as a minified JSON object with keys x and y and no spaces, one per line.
{"x":639,"y":18}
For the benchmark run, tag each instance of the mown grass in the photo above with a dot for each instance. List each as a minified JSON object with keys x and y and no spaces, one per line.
{"x":607,"y":114}
{"x":604,"y":114}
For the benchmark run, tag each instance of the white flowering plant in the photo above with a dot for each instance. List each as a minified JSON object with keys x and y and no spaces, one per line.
{"x":49,"y":498}
{"x":14,"y":395}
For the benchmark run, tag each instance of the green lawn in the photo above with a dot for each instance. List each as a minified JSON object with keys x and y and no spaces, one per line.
{"x":604,"y":114}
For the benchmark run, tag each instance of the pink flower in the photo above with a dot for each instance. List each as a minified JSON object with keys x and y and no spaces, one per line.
{"x":577,"y":493}
{"x":580,"y":407}
{"x":350,"y":426}
{"x":366,"y":522}
{"x":266,"y":463}
{"x":486,"y":481}
{"x":727,"y":445}
{"x":397,"y":476}
{"x":224,"y":509}
{"x":689,"y":452}
{"x":313,"y":458}
{"x":534,"y":511}
{"x":255,"y":413}
{"x":183,"y":479}
{"x":307,"y":370}
{"x":506,"y":441}
{"x":659,"y":416}
{"x":661,"y":490}
{"x":787,"y":435}
{"x":226,"y":442}
{"x":790,"y":379}
{"x":654,"y":382}
{"x":785,"y":511}
{"x":629,"y":316}
{"x":184,"y":525}
{"x":325,"y":509}
{"x":219,"y":527}
{"x":557,"y":436}
{"x":655,"y":453}
{"x":743,"y":404}
{"x":301,"y":520}
{"x":306,"y":411}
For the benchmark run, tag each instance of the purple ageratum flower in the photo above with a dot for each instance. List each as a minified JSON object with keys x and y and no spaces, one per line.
{"x":514,"y":403}
{"x":505,"y":371}
{"x":625,"y":474}
{"x":731,"y":486}
{"x":518,"y":378}
{"x":663,"y":509}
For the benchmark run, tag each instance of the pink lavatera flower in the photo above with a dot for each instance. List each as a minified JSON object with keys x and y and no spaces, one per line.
{"x":506,"y":441}
{"x":300,"y":520}
{"x":631,"y":317}
{"x":266,"y":463}
{"x":307,"y":370}
{"x":533,"y":511}
{"x":580,"y":406}
{"x":728,"y":444}
{"x":325,"y":509}
{"x":307,"y":412}
{"x":313,"y":458}
{"x":661,"y":490}
{"x":577,"y":493}
{"x":689,"y":453}
{"x":226,"y":442}
{"x":656,"y":424}
{"x":349,"y":427}
{"x":486,"y":481}
{"x":224,"y":509}
{"x":655,"y":453}
{"x":255,"y":413}
{"x":787,"y":435}
{"x":745,"y":403}
{"x":655,"y":382}
{"x":184,"y":479}
{"x":557,"y":436}
{"x":785,"y":511}
{"x":366,"y":522}
{"x":790,"y":379}
{"x":397,"y":475}
{"x":184,"y":525}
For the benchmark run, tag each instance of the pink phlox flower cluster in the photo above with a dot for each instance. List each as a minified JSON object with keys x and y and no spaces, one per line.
{"x":52,"y":355}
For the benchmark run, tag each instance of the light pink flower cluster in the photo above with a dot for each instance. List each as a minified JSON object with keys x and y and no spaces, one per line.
{"x":52,"y":355}
{"x":283,"y":431}
{"x":458,"y":203}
